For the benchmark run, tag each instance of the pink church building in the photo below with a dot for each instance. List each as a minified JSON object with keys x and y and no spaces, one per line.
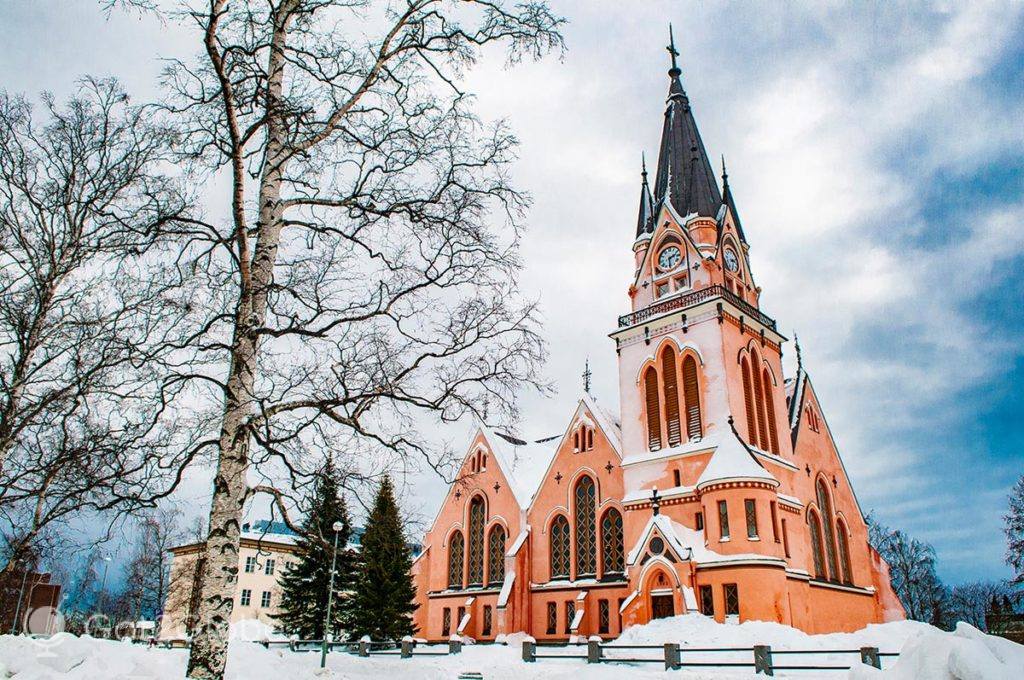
{"x":717,"y":488}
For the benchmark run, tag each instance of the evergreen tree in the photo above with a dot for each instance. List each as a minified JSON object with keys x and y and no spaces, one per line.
{"x":384,"y":596}
{"x":304,"y":586}
{"x":1015,"y":531}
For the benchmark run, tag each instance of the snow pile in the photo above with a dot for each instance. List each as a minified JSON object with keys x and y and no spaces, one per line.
{"x":254,"y":630}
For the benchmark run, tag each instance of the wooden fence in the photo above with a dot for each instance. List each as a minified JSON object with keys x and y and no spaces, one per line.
{"x":674,"y":656}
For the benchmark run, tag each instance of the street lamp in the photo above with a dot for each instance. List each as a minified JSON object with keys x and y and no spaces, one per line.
{"x":336,"y":527}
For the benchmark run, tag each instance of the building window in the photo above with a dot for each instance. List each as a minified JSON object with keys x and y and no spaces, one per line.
{"x":707,"y":601}
{"x":723,"y":520}
{"x":552,"y":618}
{"x":700,"y":521}
{"x":750,"y":510}
{"x":613,"y":559}
{"x":828,"y":535}
{"x":603,"y":617}
{"x":476,"y":541}
{"x":732,"y":599}
{"x":487,"y":620}
{"x":769,"y":406}
{"x":762,"y":440}
{"x":576,"y":441}
{"x":816,"y":549}
{"x":586,"y":529}
{"x":622,"y":600}
{"x":268,"y":568}
{"x":663,"y":289}
{"x":570,"y":614}
{"x":456,"y":550}
{"x":670,"y":381}
{"x":446,"y":622}
{"x":246,"y":598}
{"x":677,"y":478}
{"x":560,"y":547}
{"x":265,"y":599}
{"x":250,"y":565}
{"x":653,"y":409}
{"x":496,"y":555}
{"x":691,"y":399}
{"x":775,"y":521}
{"x":461,"y":615}
{"x":785,"y":538}
{"x":748,"y":402}
{"x":844,"y":552}
{"x":590,"y":439}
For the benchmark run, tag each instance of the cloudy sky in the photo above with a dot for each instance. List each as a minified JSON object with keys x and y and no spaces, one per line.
{"x":877,"y":155}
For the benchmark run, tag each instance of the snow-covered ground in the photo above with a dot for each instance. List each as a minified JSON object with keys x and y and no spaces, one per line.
{"x":926,"y":652}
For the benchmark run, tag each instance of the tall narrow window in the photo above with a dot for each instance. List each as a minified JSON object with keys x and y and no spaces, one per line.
{"x":750,"y":511}
{"x":590,"y":439}
{"x":670,"y":381}
{"x":487,"y":621}
{"x":819,"y":556}
{"x":677,"y":479}
{"x":723,"y":520}
{"x":785,"y":539}
{"x":769,"y":405}
{"x":476,"y":541}
{"x":552,"y":618}
{"x":560,"y":547}
{"x":762,"y":440}
{"x":586,"y":527}
{"x":446,"y":622}
{"x":691,"y":397}
{"x":612,"y":549}
{"x":732,"y":599}
{"x":699,"y":519}
{"x":603,"y":617}
{"x":570,"y":614}
{"x":748,"y":403}
{"x":707,"y":601}
{"x":456,"y":548}
{"x":460,"y":617}
{"x":775,"y":521}
{"x":844,"y":552}
{"x":496,"y":555}
{"x":653,"y":409}
{"x":828,"y":536}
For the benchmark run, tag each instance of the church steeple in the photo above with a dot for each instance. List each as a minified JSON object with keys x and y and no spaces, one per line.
{"x":646,"y":214}
{"x":684,"y":177}
{"x":728,"y":201}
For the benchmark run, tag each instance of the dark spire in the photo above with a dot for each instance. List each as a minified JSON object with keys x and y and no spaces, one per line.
{"x":643,"y":220}
{"x":685,"y":177}
{"x":727,"y":199}
{"x":586,"y":377}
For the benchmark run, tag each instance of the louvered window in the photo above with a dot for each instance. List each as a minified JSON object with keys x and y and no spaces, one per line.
{"x":560,"y":547}
{"x":670,"y":381}
{"x":844,"y":552}
{"x":691,"y":396}
{"x":586,"y":527}
{"x":829,"y":537}
{"x":748,"y":403}
{"x":769,"y":405}
{"x":653,"y":409}
{"x":456,"y":547}
{"x":476,"y":541}
{"x":496,"y":555}
{"x":762,"y":442}
{"x":612,"y":550}
{"x":819,"y":557}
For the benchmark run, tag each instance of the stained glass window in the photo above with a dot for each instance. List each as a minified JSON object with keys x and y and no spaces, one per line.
{"x":496,"y":555}
{"x":732,"y":599}
{"x":827,"y":518}
{"x":750,"y":510}
{"x":476,"y":541}
{"x":819,"y":557}
{"x":560,"y":547}
{"x":613,"y":559}
{"x":603,"y":616}
{"x":586,"y":529}
{"x":552,"y":618}
{"x":723,"y":519}
{"x":456,"y":547}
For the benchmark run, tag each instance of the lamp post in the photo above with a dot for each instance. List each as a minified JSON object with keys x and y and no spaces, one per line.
{"x":337,"y":527}
{"x":103,"y":585}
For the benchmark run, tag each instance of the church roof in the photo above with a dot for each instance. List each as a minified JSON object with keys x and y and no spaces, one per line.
{"x":684,"y":177}
{"x":522,"y":462}
{"x":732,"y":460}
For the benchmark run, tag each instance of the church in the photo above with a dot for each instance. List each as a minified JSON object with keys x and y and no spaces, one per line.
{"x":717,"y":488}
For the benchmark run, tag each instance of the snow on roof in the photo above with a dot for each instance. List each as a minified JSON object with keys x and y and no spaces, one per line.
{"x":686,"y":543}
{"x":522,"y":464}
{"x":518,"y":543}
{"x":261,"y":537}
{"x":606,"y":420}
{"x":733,"y":460}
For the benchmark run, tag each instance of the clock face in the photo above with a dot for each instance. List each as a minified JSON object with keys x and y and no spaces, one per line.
{"x":669,"y":258}
{"x":731,"y":263}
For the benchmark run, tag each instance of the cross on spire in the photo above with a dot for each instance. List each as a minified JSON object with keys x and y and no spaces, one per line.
{"x":673,"y":51}
{"x":586,"y":377}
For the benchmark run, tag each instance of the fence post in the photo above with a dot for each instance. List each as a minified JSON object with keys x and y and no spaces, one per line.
{"x":593,"y":649}
{"x":364,"y":647}
{"x":763,"y":660}
{"x":406,"y":649}
{"x":454,"y":646}
{"x":529,"y":651}
{"x":671,"y":656}
{"x":869,"y":656}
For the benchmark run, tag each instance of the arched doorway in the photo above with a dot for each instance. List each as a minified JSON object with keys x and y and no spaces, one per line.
{"x":662,"y":598}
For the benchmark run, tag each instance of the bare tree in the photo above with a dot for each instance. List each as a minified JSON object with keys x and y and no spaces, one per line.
{"x":912,"y":570}
{"x":366,"y":278}
{"x":971,"y":601}
{"x":147,"y":571}
{"x":90,"y":315}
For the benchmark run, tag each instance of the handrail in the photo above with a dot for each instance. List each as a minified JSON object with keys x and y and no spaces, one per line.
{"x":693,"y":298}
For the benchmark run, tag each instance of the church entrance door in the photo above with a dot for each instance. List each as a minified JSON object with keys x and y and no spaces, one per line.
{"x":662,"y":606}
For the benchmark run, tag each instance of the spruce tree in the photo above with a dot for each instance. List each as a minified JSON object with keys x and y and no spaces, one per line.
{"x":384,"y":594}
{"x":304,"y":586}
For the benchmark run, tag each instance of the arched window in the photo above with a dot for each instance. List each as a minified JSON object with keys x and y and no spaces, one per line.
{"x":844,"y":551}
{"x":670,"y":380}
{"x":748,"y":402}
{"x":590,"y":439}
{"x":576,"y":441}
{"x":828,"y":536}
{"x":476,"y":541}
{"x":762,"y":440}
{"x":653,"y":409}
{"x":691,"y":398}
{"x":613,"y":559}
{"x":496,"y":555}
{"x":586,"y":530}
{"x":560,"y":547}
{"x":819,"y":557}
{"x":456,"y":548}
{"x":769,"y":406}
